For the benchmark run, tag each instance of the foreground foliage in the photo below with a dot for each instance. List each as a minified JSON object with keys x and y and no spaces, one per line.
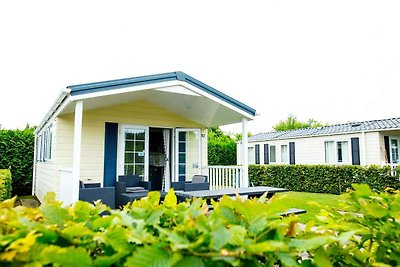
{"x":330,"y":179}
{"x":236,"y":233}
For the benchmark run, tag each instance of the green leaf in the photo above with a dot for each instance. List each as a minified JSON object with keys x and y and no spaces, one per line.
{"x":190,"y":261}
{"x":309,"y":244}
{"x":82,"y":211}
{"x":170,"y":200}
{"x":54,"y":214}
{"x":66,"y":257}
{"x":153,"y":197}
{"x":117,"y":238}
{"x":149,"y":257}
{"x":287,"y":260}
{"x":321,"y":258}
{"x":221,"y":236}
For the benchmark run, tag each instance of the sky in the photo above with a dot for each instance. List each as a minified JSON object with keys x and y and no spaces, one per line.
{"x":333,"y":61}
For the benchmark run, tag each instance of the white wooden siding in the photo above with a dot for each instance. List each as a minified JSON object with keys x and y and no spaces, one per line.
{"x":46,"y":172}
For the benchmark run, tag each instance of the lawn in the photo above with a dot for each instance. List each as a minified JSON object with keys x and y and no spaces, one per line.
{"x":311,"y":202}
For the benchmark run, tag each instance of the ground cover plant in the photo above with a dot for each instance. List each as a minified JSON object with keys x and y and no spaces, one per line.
{"x":235,"y":233}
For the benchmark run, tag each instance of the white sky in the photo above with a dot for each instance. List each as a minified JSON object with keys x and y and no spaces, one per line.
{"x":334,"y":61}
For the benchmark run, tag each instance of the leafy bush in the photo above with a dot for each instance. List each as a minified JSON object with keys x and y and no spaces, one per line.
{"x":321,"y":178}
{"x":16,"y":151}
{"x":221,"y":148}
{"x":235,"y":233}
{"x":5,"y":184}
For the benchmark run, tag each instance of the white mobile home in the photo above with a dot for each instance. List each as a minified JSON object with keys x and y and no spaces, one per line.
{"x":152,"y":126}
{"x":357,"y":143}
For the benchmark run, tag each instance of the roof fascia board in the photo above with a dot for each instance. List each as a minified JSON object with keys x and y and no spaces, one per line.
{"x":123,"y":90}
{"x":59,"y":105}
{"x":322,"y":135}
{"x":120,"y":83}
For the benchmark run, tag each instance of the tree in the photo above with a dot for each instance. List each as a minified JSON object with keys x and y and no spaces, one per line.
{"x":221,"y":148}
{"x":292,"y":123}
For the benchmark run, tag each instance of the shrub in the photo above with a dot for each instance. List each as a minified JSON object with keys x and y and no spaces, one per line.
{"x":5,"y":184}
{"x":235,"y":233}
{"x":16,"y":151}
{"x":321,"y":178}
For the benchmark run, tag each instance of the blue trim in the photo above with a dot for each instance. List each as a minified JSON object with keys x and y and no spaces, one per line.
{"x":157,"y":78}
{"x":110,"y":154}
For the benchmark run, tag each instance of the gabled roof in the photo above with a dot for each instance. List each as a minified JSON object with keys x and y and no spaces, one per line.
{"x":157,"y":78}
{"x":176,"y":92}
{"x":351,"y":127}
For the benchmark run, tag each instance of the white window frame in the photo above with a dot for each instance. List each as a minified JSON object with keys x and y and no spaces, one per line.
{"x":176,"y":150}
{"x":390,"y":148}
{"x":336,"y":154}
{"x":287,"y":154}
{"x":270,"y":154}
{"x":44,"y":150}
{"x":121,"y":148}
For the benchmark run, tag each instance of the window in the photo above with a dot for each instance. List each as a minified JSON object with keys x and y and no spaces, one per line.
{"x":394,"y":150}
{"x":342,"y":151}
{"x":251,"y":159}
{"x":44,"y":145}
{"x":272,"y":153}
{"x":284,"y":154}
{"x":257,"y":159}
{"x":337,"y":152}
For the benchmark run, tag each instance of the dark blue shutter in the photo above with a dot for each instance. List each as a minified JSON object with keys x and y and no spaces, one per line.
{"x":387,"y":148}
{"x":257,"y":150}
{"x":110,"y":153}
{"x":291,"y":153}
{"x":355,"y":151}
{"x":266,"y":154}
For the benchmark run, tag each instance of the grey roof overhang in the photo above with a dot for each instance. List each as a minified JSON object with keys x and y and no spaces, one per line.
{"x":157,"y":78}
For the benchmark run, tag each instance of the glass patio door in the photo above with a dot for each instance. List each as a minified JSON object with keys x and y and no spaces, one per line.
{"x":134,"y":147}
{"x":187,"y":153}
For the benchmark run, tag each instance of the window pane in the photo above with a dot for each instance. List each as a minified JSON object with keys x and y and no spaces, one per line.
{"x":139,"y":170}
{"x":139,"y":157}
{"x":188,"y":159}
{"x":330,"y":152}
{"x":251,"y":158}
{"x":284,"y":154}
{"x":343,"y":151}
{"x":128,"y":157}
{"x":139,"y":146}
{"x":129,"y":146}
{"x":272,"y":154}
{"x":394,"y":144}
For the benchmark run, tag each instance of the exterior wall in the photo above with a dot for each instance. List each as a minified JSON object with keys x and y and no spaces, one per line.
{"x":46,"y":174}
{"x":311,"y":150}
{"x":92,"y":155}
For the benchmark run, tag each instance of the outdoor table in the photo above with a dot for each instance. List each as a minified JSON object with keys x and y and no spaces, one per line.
{"x":256,"y":191}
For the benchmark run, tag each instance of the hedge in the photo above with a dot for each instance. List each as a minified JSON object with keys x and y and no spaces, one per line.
{"x":321,"y":178}
{"x":5,"y":184}
{"x":16,"y":151}
{"x":236,"y":233}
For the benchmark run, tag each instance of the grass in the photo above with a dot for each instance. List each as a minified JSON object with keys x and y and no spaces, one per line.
{"x":311,"y":202}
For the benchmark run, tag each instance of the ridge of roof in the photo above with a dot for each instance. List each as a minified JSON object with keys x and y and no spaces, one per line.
{"x":350,"y":127}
